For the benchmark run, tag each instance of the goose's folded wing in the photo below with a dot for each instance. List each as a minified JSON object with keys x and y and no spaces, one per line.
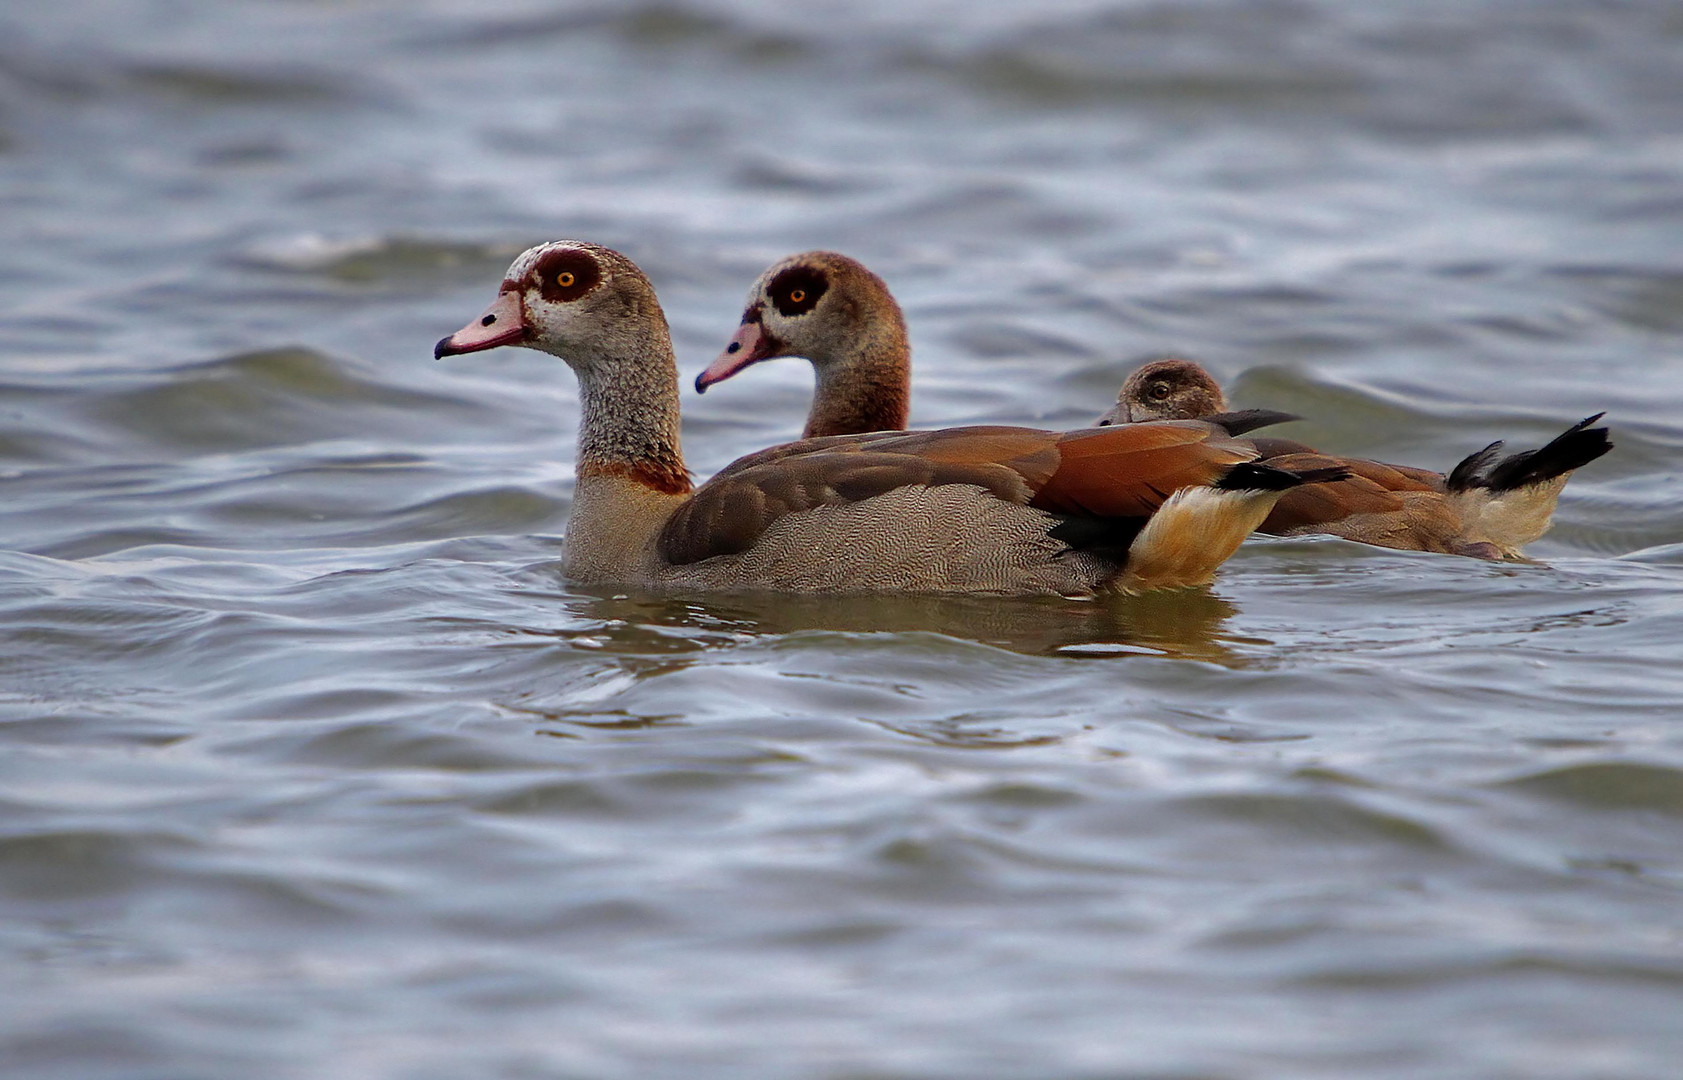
{"x":1104,"y":472}
{"x":1371,"y":488}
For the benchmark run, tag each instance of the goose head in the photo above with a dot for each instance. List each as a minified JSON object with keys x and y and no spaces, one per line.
{"x":819,"y":305}
{"x":1167,"y":389}
{"x":587,"y":304}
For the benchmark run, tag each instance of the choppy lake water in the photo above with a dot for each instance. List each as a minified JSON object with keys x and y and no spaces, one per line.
{"x":311,"y":765}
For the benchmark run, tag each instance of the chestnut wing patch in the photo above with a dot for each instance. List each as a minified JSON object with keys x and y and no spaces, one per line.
{"x":1365,"y":491}
{"x":1129,"y":470}
{"x":1389,"y":477}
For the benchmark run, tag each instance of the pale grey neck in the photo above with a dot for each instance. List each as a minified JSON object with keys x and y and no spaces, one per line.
{"x":629,"y":398}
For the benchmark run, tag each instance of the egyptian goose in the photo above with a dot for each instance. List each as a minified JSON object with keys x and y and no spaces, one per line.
{"x":976,"y":509}
{"x":1488,"y":507}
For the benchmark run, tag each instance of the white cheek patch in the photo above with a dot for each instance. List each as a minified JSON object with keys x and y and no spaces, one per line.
{"x":521,"y":267}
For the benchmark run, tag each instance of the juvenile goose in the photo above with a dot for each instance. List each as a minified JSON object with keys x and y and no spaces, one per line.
{"x":977,"y":509}
{"x":1488,"y":507}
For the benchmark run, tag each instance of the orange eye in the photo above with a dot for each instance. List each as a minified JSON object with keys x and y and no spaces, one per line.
{"x":797,"y":296}
{"x":565,"y":279}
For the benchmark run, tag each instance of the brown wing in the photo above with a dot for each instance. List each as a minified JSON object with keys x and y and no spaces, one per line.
{"x":1128,"y":470}
{"x":1321,"y":506}
{"x":1123,"y":471}
{"x":1416,"y":479}
{"x":729,"y":513}
{"x":839,"y":443}
{"x":1390,"y":477}
{"x":1270,"y":446}
{"x":1378,"y":504}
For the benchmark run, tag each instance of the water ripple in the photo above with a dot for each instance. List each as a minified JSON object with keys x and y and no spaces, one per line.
{"x":313,"y":764}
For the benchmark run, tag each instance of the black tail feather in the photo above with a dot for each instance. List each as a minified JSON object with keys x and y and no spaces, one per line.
{"x":1257,"y":476}
{"x":1238,"y":423}
{"x":1469,"y":473}
{"x":1578,"y":445}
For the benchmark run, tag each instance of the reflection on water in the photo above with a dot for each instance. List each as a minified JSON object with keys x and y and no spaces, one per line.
{"x":1184,"y":624}
{"x":313,"y":765}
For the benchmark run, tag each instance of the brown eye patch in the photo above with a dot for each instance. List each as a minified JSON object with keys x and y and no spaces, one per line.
{"x":797,"y":290}
{"x":566,"y":275}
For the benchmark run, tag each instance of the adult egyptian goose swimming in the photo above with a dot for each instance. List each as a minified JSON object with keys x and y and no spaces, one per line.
{"x":975,"y":509}
{"x":1487,"y":507}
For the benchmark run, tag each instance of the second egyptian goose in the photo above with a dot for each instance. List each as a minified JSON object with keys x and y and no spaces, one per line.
{"x":975,"y":509}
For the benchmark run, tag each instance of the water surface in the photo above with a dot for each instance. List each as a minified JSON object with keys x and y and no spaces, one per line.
{"x":314,"y":765}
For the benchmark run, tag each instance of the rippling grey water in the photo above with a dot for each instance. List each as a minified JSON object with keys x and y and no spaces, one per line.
{"x":314,"y":766}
